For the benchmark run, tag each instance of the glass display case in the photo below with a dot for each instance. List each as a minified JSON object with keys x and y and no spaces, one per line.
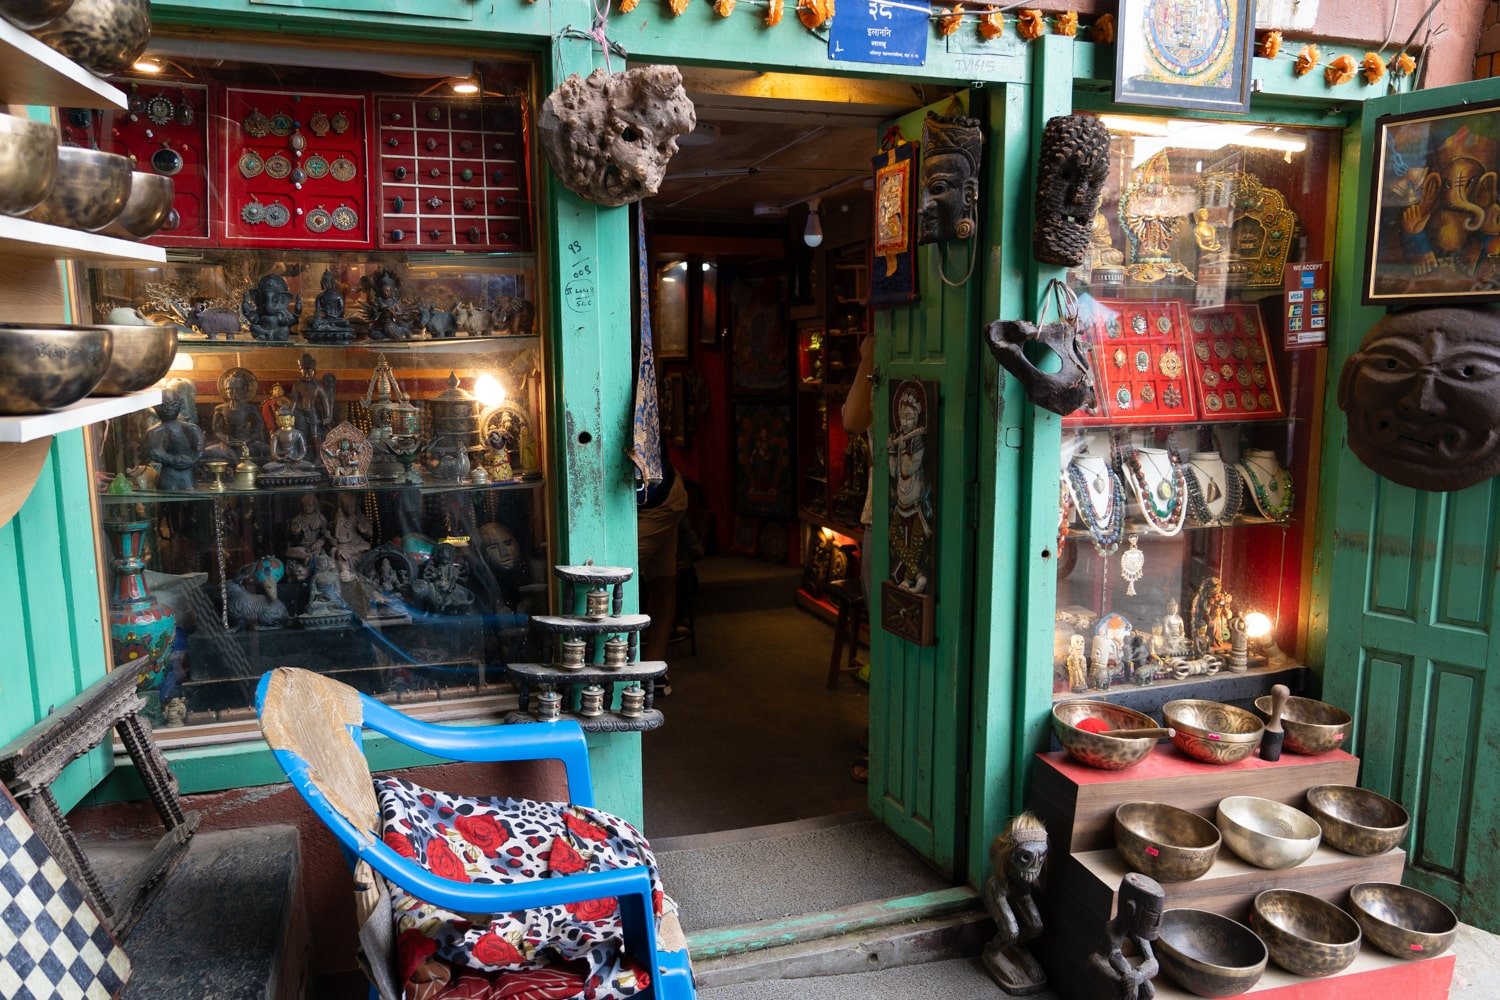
{"x":1188,"y":483}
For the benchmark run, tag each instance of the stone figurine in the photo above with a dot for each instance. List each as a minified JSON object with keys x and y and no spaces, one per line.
{"x":252,"y":596}
{"x":1071,"y":171}
{"x":311,"y":403}
{"x":440,"y":323}
{"x":951,"y":151}
{"x":352,"y":535}
{"x":346,"y":455}
{"x":390,"y":318}
{"x":1174,"y":630}
{"x":329,"y":325}
{"x":173,"y":445}
{"x":212,"y":321}
{"x":609,"y":137}
{"x":1017,"y":857}
{"x":1077,"y":665}
{"x":237,"y":423}
{"x":1422,"y":395}
{"x":326,"y":607}
{"x":308,"y":531}
{"x":440,"y":586}
{"x":1138,"y":911}
{"x":1061,"y":391}
{"x":289,"y":465}
{"x":270,"y":309}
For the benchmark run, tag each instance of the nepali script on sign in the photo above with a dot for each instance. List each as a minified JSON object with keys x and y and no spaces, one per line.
{"x":880,"y":31}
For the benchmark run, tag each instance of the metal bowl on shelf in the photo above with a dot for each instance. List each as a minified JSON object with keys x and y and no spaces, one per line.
{"x":147,"y":208}
{"x":45,"y":368}
{"x":91,"y":190}
{"x":1213,"y":732}
{"x":1098,"y":749}
{"x":104,"y":35}
{"x":1305,"y":935}
{"x":1403,"y":921}
{"x":1267,"y":833}
{"x":1312,"y":727}
{"x":28,"y":15}
{"x":28,"y":163}
{"x":1357,"y":820}
{"x":1165,"y":842}
{"x":1209,"y":954}
{"x":142,"y":355}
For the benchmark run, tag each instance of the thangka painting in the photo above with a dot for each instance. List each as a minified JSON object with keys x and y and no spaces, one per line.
{"x":763,"y":459}
{"x":907,"y":596}
{"x":762,"y":342}
{"x":1434,"y":221}
{"x":893,"y":261}
{"x":1185,"y":54}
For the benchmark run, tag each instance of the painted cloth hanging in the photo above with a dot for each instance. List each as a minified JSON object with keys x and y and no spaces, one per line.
{"x":645,"y":449}
{"x":893,"y":269}
{"x":493,"y":841}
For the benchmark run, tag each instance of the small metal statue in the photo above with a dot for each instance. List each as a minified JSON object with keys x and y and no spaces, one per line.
{"x":271,"y":310}
{"x":326,"y":608}
{"x":1174,"y":630}
{"x":440,"y":323}
{"x":951,"y":151}
{"x":253,"y":603}
{"x":390,"y":319}
{"x":245,"y":471}
{"x":172,"y":445}
{"x":212,"y":321}
{"x":352,"y":535}
{"x":288,"y":465}
{"x":346,"y":455}
{"x":308,"y":531}
{"x":1077,"y":665}
{"x":236,"y":423}
{"x":329,"y":325}
{"x":440,"y":586}
{"x":1137,"y":917}
{"x":311,"y":402}
{"x":1239,"y":645}
{"x":1017,"y":857}
{"x":1071,"y":171}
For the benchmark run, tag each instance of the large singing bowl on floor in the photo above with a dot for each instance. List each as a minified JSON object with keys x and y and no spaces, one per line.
{"x":1209,"y":954}
{"x":1357,"y":820}
{"x":1312,"y":727}
{"x":1305,"y":935}
{"x":1167,"y":843}
{"x":1099,"y":750}
{"x":1212,"y":732}
{"x":1267,"y":833}
{"x":32,"y":14}
{"x":104,"y":35}
{"x":1403,"y":921}
{"x":140,"y":357}
{"x":28,"y":163}
{"x":48,"y":367}
{"x":147,"y":208}
{"x":91,"y":190}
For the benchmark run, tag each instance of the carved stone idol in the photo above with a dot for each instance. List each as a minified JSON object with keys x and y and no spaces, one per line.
{"x":440,"y":586}
{"x":1017,"y":856}
{"x":172,"y":445}
{"x":390,"y":318}
{"x":251,"y":595}
{"x":1138,"y":911}
{"x":311,"y":403}
{"x":236,"y":423}
{"x":329,"y":325}
{"x":608,"y":137}
{"x":326,"y":608}
{"x":289,"y":465}
{"x":346,"y":454}
{"x":1071,"y":171}
{"x":439,"y":321}
{"x":270,"y":309}
{"x":951,"y":151}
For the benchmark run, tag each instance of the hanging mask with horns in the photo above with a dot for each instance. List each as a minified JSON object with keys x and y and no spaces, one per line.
{"x":1064,"y":390}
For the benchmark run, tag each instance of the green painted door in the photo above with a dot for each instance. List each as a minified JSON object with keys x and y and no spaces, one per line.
{"x":1412,"y":613}
{"x":919,"y":695}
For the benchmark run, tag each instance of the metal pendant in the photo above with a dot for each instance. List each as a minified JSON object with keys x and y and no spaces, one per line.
{"x":343,"y":169}
{"x":318,"y":123}
{"x":160,"y":110}
{"x":316,"y":166}
{"x":345,"y":218}
{"x":340,"y":123}
{"x":256,"y":124}
{"x":278,"y":166}
{"x":277,"y":215}
{"x":1132,"y":566}
{"x":251,"y":165}
{"x":318,"y":220}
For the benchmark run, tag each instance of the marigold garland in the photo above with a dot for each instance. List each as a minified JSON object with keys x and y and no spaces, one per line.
{"x":626,"y":6}
{"x":1103,"y":30}
{"x":1306,"y":60}
{"x":1372,"y":67}
{"x":1403,"y":65}
{"x":1339,"y":72}
{"x":773,"y":13}
{"x":677,"y":6}
{"x":724,"y":7}
{"x":949,"y":22}
{"x":1270,"y":45}
{"x":991,"y":25}
{"x":813,"y":13}
{"x":1066,"y":23}
{"x":1030,"y":25}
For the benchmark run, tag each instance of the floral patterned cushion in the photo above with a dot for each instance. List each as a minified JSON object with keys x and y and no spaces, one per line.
{"x":572,"y":950}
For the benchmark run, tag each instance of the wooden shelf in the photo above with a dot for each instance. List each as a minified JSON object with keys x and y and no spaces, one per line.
{"x":19,"y":430}
{"x":24,"y":238}
{"x":1373,"y":974}
{"x":33,"y":73}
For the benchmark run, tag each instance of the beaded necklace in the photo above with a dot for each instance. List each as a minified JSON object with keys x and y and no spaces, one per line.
{"x":1163,"y":504}
{"x":1265,"y":491}
{"x":1198,"y":510}
{"x":1103,"y":529}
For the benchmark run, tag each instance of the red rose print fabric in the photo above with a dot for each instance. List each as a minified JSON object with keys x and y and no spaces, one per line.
{"x":574,"y":950}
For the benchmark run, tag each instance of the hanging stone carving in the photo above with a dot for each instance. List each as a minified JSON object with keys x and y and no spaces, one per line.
{"x":1072,"y":384}
{"x":609,"y":137}
{"x":1071,"y":171}
{"x":1422,"y":395}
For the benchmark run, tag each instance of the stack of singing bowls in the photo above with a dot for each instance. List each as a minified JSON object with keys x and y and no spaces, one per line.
{"x":91,"y":190}
{"x":106,"y":36}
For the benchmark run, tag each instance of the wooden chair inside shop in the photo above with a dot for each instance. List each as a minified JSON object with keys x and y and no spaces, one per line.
{"x":313,"y":724}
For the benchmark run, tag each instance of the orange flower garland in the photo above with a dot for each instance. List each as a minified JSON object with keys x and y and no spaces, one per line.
{"x":1270,"y":45}
{"x":626,"y":6}
{"x":949,"y":22}
{"x":1306,"y":60}
{"x":1403,"y":65}
{"x":773,"y":13}
{"x":991,"y":25}
{"x":1372,"y":68}
{"x":724,"y":7}
{"x":813,"y":13}
{"x":1066,"y":24}
{"x":1339,"y":72}
{"x":1103,"y":30}
{"x":1030,"y":25}
{"x":677,"y":6}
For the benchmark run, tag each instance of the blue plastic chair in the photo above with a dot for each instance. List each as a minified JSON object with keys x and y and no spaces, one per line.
{"x":313,"y":725}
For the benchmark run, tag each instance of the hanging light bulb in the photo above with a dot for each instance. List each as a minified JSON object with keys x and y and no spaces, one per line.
{"x":465,"y":86}
{"x":813,"y":234}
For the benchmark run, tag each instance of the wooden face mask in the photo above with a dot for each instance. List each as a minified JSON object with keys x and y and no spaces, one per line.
{"x":951,"y":150}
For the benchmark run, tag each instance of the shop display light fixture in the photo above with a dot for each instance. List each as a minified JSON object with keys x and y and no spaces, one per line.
{"x":813,"y":234}
{"x":148,"y":64}
{"x":1260,"y":633}
{"x":488,"y":390}
{"x":466,"y":86}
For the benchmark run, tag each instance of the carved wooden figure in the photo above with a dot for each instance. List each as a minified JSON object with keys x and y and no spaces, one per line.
{"x":1138,"y":911}
{"x":1017,"y":857}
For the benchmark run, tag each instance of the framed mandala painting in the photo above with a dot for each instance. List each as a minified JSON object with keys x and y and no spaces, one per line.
{"x":1185,"y":53}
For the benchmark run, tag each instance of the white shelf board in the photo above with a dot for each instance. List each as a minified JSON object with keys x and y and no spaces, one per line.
{"x":18,"y":430}
{"x":24,"y":238}
{"x":33,"y":73}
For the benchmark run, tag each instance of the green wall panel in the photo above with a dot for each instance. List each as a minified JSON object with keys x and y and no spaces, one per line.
{"x":1380,"y":736}
{"x":1393,"y":568}
{"x":1467,"y":568}
{"x":1444,"y":829}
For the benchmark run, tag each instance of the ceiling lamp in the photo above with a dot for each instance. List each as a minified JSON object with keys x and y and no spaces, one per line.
{"x":813,"y":234}
{"x":148,"y":64}
{"x":465,"y":86}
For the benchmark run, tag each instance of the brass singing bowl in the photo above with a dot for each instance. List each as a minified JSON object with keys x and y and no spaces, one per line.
{"x":1312,"y":727}
{"x":104,"y":35}
{"x":91,"y":190}
{"x":147,"y":208}
{"x":1403,"y":921}
{"x":142,"y":355}
{"x":48,"y":367}
{"x":1305,"y":935}
{"x":29,"y":15}
{"x":1267,"y":833}
{"x":1213,"y":732}
{"x":1357,"y":820}
{"x":1209,"y":954}
{"x":1098,"y":749}
{"x":1165,"y":842}
{"x":28,"y":163}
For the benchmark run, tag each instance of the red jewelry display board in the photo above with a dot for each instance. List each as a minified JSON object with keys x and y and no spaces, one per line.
{"x":1140,"y":361}
{"x":295,"y":169}
{"x":166,"y":132}
{"x":1232,"y":373}
{"x":452,"y":175}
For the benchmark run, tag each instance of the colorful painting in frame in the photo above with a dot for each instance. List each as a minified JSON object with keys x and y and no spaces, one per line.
{"x":893,"y":263}
{"x":908,"y":595}
{"x":1185,"y":53}
{"x":762,"y":344}
{"x":763,"y":459}
{"x":1434,"y":228}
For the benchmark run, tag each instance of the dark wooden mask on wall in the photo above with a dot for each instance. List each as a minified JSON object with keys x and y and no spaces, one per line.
{"x":952,"y":148}
{"x":1064,"y":390}
{"x":1071,"y":171}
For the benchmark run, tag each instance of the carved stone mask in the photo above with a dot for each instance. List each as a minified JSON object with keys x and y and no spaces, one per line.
{"x":1422,"y":395}
{"x":1070,"y":181}
{"x":609,"y":137}
{"x":951,"y":150}
{"x":1062,"y":391}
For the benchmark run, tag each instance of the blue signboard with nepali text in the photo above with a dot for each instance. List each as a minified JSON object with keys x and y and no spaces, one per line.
{"x":880,"y":31}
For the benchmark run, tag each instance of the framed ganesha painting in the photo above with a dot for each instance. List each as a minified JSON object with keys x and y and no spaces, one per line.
{"x":1185,"y":54}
